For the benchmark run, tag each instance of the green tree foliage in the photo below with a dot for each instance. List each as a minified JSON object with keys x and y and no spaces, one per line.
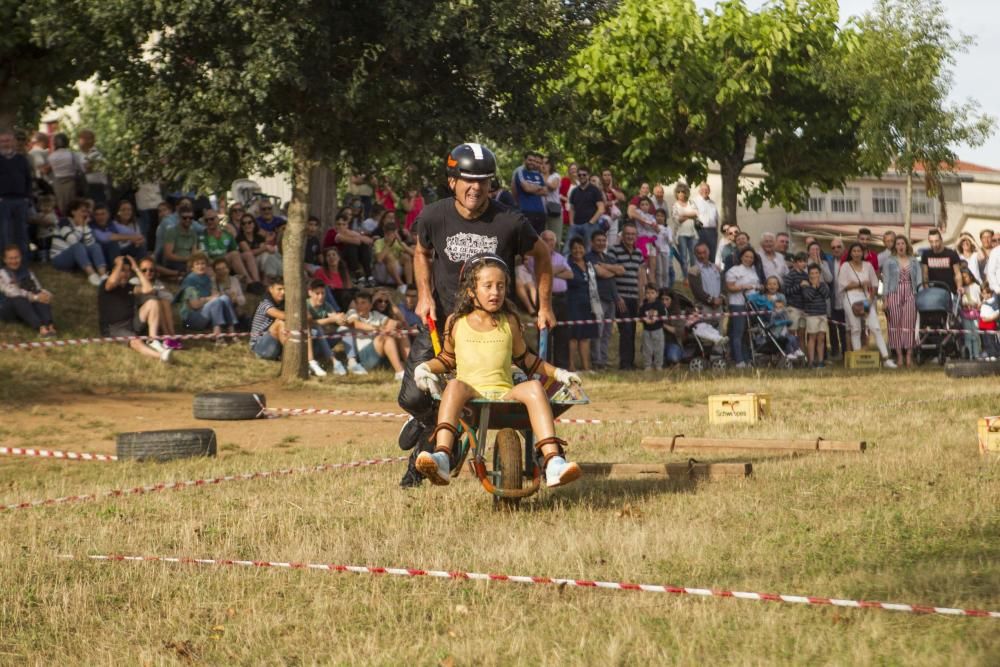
{"x":662,"y":88}
{"x":221,"y":84}
{"x":898,"y":69}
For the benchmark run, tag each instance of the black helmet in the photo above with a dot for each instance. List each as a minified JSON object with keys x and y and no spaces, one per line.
{"x":471,"y":161}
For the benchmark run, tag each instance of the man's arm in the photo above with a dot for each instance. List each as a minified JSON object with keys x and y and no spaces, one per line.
{"x":543,"y":277}
{"x":958,"y":278}
{"x":923,"y":270}
{"x":422,"y":258}
{"x":598,"y":213}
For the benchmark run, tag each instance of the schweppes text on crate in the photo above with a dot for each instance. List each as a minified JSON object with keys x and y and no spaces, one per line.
{"x":862,"y":359}
{"x":738,"y":408}
{"x":989,"y":435}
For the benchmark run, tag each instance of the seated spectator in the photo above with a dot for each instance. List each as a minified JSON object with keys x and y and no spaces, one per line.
{"x":126,"y":310}
{"x":22,"y":297}
{"x":394,"y":258}
{"x":313,"y":257}
{"x":166,"y":217}
{"x":333,"y":273}
{"x":320,"y":317}
{"x":127,"y":221}
{"x":201,"y":305}
{"x":43,"y":226}
{"x":223,"y":282}
{"x":256,"y":251}
{"x":273,"y":226}
{"x":409,"y":308}
{"x":383,"y":303}
{"x":373,"y":350}
{"x":705,"y":280}
{"x":113,"y":238}
{"x":217,"y":243}
{"x":815,"y":305}
{"x":180,"y":242}
{"x":354,"y":247}
{"x":268,"y":334}
{"x":370,"y":225}
{"x":74,"y":246}
{"x":147,"y":268}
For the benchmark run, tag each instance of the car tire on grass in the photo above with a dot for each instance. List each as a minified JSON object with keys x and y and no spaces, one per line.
{"x":227,"y":406}
{"x":971,"y":369}
{"x":166,"y":445}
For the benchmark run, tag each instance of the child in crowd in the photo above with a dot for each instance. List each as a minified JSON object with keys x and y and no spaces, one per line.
{"x":672,"y":350}
{"x":796,"y":280}
{"x":43,"y":225}
{"x":320,"y":316}
{"x":780,"y":324}
{"x":202,"y":306}
{"x":383,"y":345}
{"x":653,"y":312}
{"x":971,"y":301}
{"x":481,"y":340}
{"x":665,"y":250}
{"x":815,"y":305}
{"x":989,"y":313}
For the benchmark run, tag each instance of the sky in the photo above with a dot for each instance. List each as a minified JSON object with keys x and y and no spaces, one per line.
{"x":974,"y":75}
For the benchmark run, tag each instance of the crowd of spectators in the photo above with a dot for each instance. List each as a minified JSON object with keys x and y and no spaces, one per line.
{"x":650,"y":259}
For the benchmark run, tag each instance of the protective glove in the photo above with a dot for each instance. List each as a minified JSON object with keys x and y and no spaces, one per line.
{"x":566,"y":377}
{"x":425,"y":379}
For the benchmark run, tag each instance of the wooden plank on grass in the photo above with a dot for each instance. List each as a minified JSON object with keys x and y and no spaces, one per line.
{"x":679,"y":470}
{"x":685,"y":444}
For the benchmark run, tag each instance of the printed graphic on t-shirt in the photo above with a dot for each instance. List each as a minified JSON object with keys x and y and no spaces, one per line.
{"x":460,"y":247}
{"x":938,"y":262}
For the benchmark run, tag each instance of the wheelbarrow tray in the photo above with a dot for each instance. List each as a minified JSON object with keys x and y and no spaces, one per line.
{"x":512,"y":414}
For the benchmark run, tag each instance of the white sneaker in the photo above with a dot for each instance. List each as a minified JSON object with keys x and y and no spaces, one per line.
{"x":316,"y":369}
{"x":799,"y":354}
{"x":402,"y":289}
{"x":742,"y":364}
{"x":338,"y":368}
{"x":889,"y":363}
{"x":399,"y":376}
{"x":355,"y":368}
{"x":560,"y":472}
{"x":165,"y":355}
{"x":156,"y":345}
{"x":94,"y":279}
{"x":436,"y":467}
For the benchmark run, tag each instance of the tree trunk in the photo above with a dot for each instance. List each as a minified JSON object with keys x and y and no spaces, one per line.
{"x":730,"y":167}
{"x":323,"y":195}
{"x":908,"y":204}
{"x":295,"y":354}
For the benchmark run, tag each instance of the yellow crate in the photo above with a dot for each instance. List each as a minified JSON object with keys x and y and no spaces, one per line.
{"x":989,"y":435}
{"x":862,"y":359}
{"x":738,"y":408}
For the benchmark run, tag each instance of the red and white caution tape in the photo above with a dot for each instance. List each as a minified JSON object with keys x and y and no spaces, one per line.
{"x":193,"y":483}
{"x":301,"y":412}
{"x":55,"y":454}
{"x":76,"y":342}
{"x":575,"y":583}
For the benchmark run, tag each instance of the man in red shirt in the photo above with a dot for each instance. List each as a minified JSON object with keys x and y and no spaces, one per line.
{"x":864,"y":238}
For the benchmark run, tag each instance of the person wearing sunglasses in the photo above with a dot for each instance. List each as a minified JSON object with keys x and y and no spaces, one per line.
{"x":147,"y":269}
{"x":180,"y":242}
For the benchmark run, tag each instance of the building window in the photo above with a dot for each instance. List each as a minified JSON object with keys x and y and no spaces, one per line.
{"x":848,"y":201}
{"x":885,"y":200}
{"x":816,"y":204}
{"x":920,"y":204}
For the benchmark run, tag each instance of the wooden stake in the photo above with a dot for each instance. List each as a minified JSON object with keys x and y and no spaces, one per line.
{"x":673,"y":471}
{"x":681,"y":443}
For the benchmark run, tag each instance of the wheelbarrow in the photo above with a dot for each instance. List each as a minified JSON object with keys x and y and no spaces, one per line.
{"x":514,"y":456}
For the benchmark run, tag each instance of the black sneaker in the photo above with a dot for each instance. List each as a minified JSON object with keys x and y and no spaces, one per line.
{"x":410,"y":434}
{"x":411,"y":478}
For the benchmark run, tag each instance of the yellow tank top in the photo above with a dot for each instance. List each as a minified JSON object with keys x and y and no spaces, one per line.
{"x":483,"y":358}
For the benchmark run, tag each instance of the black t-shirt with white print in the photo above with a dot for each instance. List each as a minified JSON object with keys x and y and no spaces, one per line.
{"x":453,"y":239}
{"x":941,"y":266}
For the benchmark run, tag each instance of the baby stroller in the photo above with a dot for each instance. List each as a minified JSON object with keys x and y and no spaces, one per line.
{"x":700,"y":340}
{"x":937,"y":309}
{"x":765,"y":346}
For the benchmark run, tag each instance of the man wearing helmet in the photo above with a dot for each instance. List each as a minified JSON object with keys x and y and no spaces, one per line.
{"x":448,"y":232}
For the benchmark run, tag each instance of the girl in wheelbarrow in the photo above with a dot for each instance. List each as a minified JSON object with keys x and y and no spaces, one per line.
{"x":481,"y":340}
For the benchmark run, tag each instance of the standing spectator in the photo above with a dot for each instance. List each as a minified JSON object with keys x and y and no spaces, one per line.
{"x":412,"y":203}
{"x":684,"y":215}
{"x":115,"y":239}
{"x":781,"y":241}
{"x":663,"y":274}
{"x":586,"y":207}
{"x":633,"y":205}
{"x":741,"y":243}
{"x":859,"y":283}
{"x":607,"y":269}
{"x":705,"y":280}
{"x":43,"y":226}
{"x":985,"y":246}
{"x":970,"y":304}
{"x":566,"y":186}
{"x":529,"y":190}
{"x":966,"y":249}
{"x":272,"y":225}
{"x":394,"y":259}
{"x":38,"y":156}
{"x":217,"y":243}
{"x":772,"y":261}
{"x":560,"y":307}
{"x":382,"y":344}
{"x":93,"y":167}
{"x":659,"y":199}
{"x":147,"y":199}
{"x":501,"y":195}
{"x":385,"y":196}
{"x":334,"y":274}
{"x":989,"y":314}
{"x":991,"y":271}
{"x":708,"y":216}
{"x":74,"y":246}
{"x":126,"y":310}
{"x":553,"y":204}
{"x":741,"y":279}
{"x":652,"y":311}
{"x":864,"y":239}
{"x":268,"y":334}
{"x":524,"y":285}
{"x":15,"y":193}
{"x":889,"y":243}
{"x":796,"y":280}
{"x":940,"y":264}
{"x":629,"y":284}
{"x":726,"y":245}
{"x":22,"y":297}
{"x":901,"y":278}
{"x":838,"y":321}
{"x":581,"y":299}
{"x":202,"y":306}
{"x":360,"y":186}
{"x":65,"y":166}
{"x":614,"y":196}
{"x":816,"y":305}
{"x":180,"y":242}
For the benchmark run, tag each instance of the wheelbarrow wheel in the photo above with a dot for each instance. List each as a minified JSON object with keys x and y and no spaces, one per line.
{"x":510,"y":459}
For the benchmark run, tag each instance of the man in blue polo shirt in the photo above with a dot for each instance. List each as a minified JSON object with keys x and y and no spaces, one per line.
{"x":528,"y":188}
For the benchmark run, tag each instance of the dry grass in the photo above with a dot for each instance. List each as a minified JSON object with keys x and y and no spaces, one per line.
{"x":915,"y":519}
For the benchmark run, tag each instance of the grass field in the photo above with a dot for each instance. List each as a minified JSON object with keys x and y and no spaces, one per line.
{"x":915,"y":519}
